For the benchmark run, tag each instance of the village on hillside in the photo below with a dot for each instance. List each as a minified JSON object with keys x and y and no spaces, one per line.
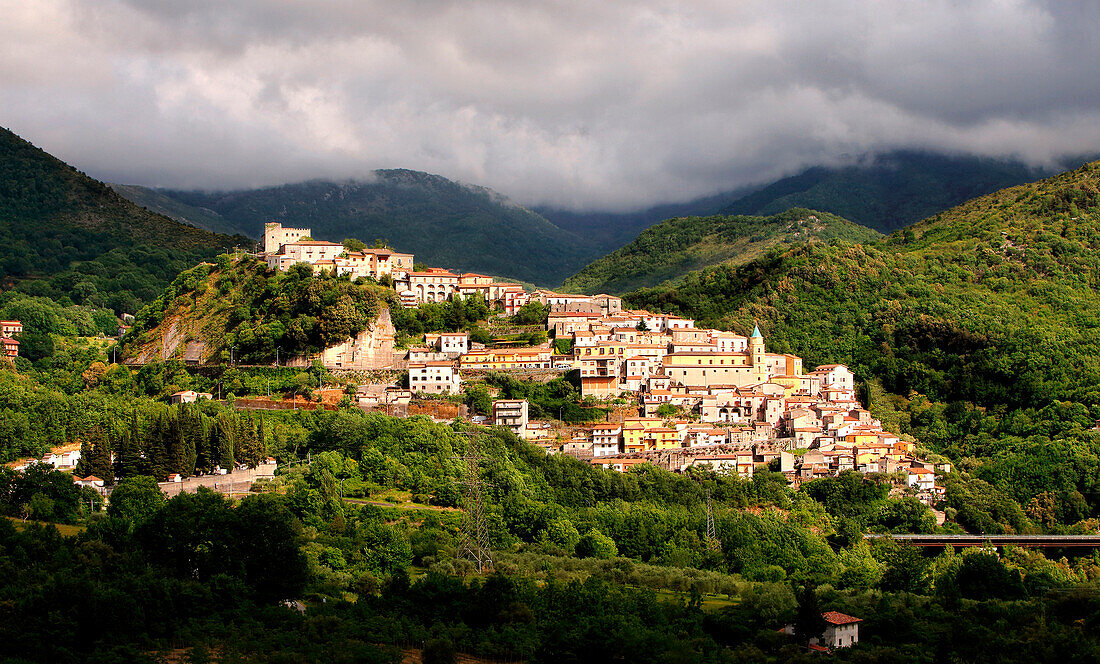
{"x":701,"y":397}
{"x":677,"y":396}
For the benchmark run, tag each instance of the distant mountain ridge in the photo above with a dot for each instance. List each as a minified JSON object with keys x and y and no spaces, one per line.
{"x":675,"y":247}
{"x":154,"y":201}
{"x":612,"y":230}
{"x":65,"y":234}
{"x":884,"y":191}
{"x":889,"y":191}
{"x":468,"y":227}
{"x":442,"y":222}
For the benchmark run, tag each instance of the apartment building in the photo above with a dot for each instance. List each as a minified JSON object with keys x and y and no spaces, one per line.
{"x":511,"y":413}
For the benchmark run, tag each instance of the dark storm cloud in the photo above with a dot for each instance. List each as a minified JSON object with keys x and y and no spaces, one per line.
{"x":586,"y":104}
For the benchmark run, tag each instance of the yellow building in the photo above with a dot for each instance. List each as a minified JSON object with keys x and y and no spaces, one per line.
{"x":635,"y":432}
{"x":662,"y":438}
{"x":754,"y":366}
{"x":507,"y":358}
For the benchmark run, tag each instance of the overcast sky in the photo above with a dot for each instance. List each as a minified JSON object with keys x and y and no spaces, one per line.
{"x":587,"y":104}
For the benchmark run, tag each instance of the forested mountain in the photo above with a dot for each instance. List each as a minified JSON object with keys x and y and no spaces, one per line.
{"x":442,"y":222}
{"x":675,"y":247}
{"x":888,"y":191}
{"x":612,"y":230}
{"x":981,"y":323}
{"x":155,"y":201}
{"x":883,"y":192}
{"x":65,"y":234}
{"x":473,"y":228}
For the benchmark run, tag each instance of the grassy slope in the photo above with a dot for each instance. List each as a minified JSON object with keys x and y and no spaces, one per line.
{"x":675,"y":247}
{"x":984,"y":320}
{"x":442,"y":222}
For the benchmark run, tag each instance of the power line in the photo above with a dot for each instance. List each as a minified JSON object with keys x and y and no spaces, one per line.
{"x":474,"y":543}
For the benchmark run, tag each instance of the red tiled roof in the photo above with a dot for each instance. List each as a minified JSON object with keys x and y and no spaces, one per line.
{"x":838,"y":618}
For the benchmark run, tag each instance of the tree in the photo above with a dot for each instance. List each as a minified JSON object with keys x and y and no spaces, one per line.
{"x":250,"y":449}
{"x":983,"y":576}
{"x":136,"y":499}
{"x":808,"y":622}
{"x":532,"y":313}
{"x":95,"y":456}
{"x":906,"y":568}
{"x":267,"y":549}
{"x":666,"y":410}
{"x":129,"y":452}
{"x":595,"y":544}
{"x":479,"y":399}
{"x":352,"y":244}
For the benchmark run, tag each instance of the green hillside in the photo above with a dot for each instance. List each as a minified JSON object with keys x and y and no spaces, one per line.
{"x":981,"y":323}
{"x":442,"y":222}
{"x":154,"y":201}
{"x":889,"y":191}
{"x":65,"y":234}
{"x":241,"y":305}
{"x":675,"y":247}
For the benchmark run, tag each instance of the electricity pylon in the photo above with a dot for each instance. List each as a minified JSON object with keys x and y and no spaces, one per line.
{"x":712,"y":535}
{"x":474,"y":543}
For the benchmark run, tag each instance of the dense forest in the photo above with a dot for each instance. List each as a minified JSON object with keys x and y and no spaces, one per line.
{"x":66,"y":236}
{"x":975,"y":331}
{"x":676,"y":247}
{"x":590,"y":565}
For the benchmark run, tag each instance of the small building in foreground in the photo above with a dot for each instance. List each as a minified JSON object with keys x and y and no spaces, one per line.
{"x":841,"y":631}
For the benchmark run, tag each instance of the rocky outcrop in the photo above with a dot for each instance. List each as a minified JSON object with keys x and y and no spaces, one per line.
{"x":370,"y":349}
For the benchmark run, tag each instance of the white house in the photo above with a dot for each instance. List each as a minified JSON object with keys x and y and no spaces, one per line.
{"x":189,"y":396}
{"x":434,"y":377}
{"x":921,"y":478}
{"x":841,"y":631}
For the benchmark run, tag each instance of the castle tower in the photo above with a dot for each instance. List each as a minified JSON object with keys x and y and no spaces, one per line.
{"x":275,"y":236}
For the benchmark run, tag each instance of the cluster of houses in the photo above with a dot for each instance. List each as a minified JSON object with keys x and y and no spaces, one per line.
{"x":285,"y":247}
{"x":704,"y":396}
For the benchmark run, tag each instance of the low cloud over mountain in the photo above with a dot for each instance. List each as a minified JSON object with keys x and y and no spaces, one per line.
{"x":574,"y":104}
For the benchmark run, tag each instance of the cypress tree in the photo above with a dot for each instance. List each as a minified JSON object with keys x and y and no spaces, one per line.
{"x":99,"y":455}
{"x":249,"y":449}
{"x":156,"y":449}
{"x":190,"y":427}
{"x":204,"y":459}
{"x":85,"y":459}
{"x":135,"y":464}
{"x":128,"y":462}
{"x":224,"y":444}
